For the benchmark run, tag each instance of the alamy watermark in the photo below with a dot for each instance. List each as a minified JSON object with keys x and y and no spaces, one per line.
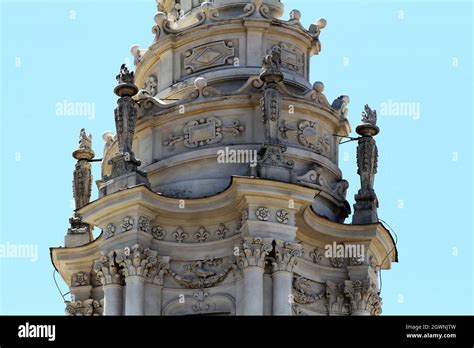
{"x":237,"y":156}
{"x":356,"y":251}
{"x":37,"y":331}
{"x":70,"y":108}
{"x":401,"y":109}
{"x":19,"y":251}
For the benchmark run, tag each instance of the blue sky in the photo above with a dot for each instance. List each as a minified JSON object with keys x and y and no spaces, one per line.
{"x":416,"y":53}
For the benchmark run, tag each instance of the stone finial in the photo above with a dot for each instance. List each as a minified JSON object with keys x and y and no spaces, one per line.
{"x":84,"y":150}
{"x":125,"y":121}
{"x":125,"y":76}
{"x":365,"y":209}
{"x":369,"y":116}
{"x":85,"y":141}
{"x":315,"y":29}
{"x":82,"y":176}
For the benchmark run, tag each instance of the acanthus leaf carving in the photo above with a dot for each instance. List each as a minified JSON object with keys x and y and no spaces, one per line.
{"x":107,"y":270}
{"x":253,"y":252}
{"x":363,"y":296}
{"x":136,"y":261}
{"x":286,"y":256}
{"x":337,"y":304}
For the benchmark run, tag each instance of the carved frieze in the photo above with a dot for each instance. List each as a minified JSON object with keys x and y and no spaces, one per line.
{"x":109,"y":231}
{"x":203,"y":132}
{"x":180,"y":235}
{"x":221,"y":232}
{"x":80,"y":279}
{"x":158,"y":232}
{"x":292,"y":58}
{"x":308,"y":135}
{"x":305,"y":291}
{"x":88,"y":307}
{"x":262,"y":213}
{"x":201,"y":235}
{"x":203,"y":273}
{"x":317,"y":256}
{"x":127,"y":223}
{"x":143,"y":224}
{"x":282,"y":216}
{"x":208,"y":56}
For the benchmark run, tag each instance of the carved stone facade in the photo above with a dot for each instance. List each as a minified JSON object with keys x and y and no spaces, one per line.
{"x":184,"y":233}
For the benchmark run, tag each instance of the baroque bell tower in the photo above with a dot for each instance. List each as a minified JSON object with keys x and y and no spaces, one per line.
{"x":220,"y":190}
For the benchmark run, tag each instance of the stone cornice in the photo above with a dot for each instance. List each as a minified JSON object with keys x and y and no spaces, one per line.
{"x":316,"y":229}
{"x":140,"y":197}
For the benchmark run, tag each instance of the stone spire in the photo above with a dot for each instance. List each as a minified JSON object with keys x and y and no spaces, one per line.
{"x":365,"y":209}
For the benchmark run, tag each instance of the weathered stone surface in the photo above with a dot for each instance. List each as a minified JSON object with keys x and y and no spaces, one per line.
{"x":237,"y":194}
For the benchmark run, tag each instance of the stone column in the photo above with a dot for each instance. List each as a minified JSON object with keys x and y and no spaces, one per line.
{"x":252,"y":261}
{"x":112,"y":281}
{"x":267,"y":293}
{"x":135,"y":296}
{"x":363,"y":297}
{"x":286,"y":255}
{"x":113,"y":299}
{"x":154,"y":287}
{"x":136,"y":263}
